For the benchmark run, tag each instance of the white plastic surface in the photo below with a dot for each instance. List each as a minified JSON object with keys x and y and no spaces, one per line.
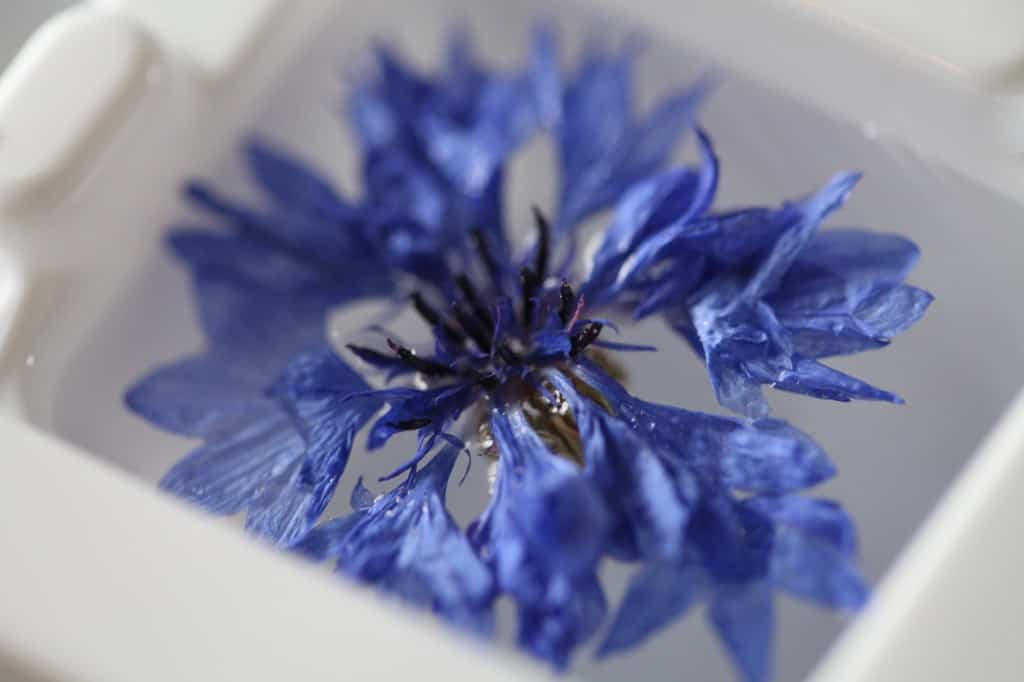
{"x":103,"y":305}
{"x":951,"y":610}
{"x":94,"y":61}
{"x":212,"y":36}
{"x":981,"y":38}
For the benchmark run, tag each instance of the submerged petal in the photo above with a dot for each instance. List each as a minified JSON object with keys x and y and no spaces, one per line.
{"x":226,"y":475}
{"x":745,"y":621}
{"x":814,"y":551}
{"x":199,"y":396}
{"x":765,"y":456}
{"x":603,"y":150}
{"x":647,"y":506}
{"x":658,"y":595}
{"x":316,"y":389}
{"x":407,"y":544}
{"x":543,"y":534}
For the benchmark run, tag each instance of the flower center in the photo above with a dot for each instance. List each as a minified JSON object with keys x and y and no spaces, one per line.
{"x":498,"y":339}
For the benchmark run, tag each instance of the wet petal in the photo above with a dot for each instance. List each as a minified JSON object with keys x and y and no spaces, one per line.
{"x":647,"y":508}
{"x":658,"y":595}
{"x":199,"y":396}
{"x":407,"y":544}
{"x":814,"y":551}
{"x":225,"y":475}
{"x":810,"y":377}
{"x":745,"y":621}
{"x":543,"y":533}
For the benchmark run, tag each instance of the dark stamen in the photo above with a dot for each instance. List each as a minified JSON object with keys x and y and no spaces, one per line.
{"x":473,"y":327}
{"x":585,"y":337}
{"x":473,"y":299}
{"x":433,"y":318}
{"x":543,"y":244}
{"x":483,"y":249}
{"x":421,"y":365}
{"x":412,"y":424}
{"x":508,"y":355}
{"x":530,"y":284}
{"x":567,"y":302}
{"x":370,"y":355}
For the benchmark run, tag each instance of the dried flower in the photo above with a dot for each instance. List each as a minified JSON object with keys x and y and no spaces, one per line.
{"x":519,"y":361}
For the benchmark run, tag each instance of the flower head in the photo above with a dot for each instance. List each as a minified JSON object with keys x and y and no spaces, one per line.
{"x":516,"y":364}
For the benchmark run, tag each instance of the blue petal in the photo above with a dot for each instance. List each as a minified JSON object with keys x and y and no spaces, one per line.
{"x":397,"y":180}
{"x":889,"y":313}
{"x":658,"y":594}
{"x":315,"y":389}
{"x":810,"y":213}
{"x":545,"y":75}
{"x":649,"y":511}
{"x":651,"y":216}
{"x":286,"y":507}
{"x":745,"y":621}
{"x":814,"y":551}
{"x":735,"y":238}
{"x":553,"y":635}
{"x":260,"y":330}
{"x":543,"y":533}
{"x":766,"y":456}
{"x":845,"y":294}
{"x":505,"y":117}
{"x":810,"y":377}
{"x":199,"y":396}
{"x":406,"y":543}
{"x":549,"y":344}
{"x":771,"y":456}
{"x":225,"y":475}
{"x":293,"y":184}
{"x":603,"y":151}
{"x":327,"y":540}
{"x":325,"y":240}
{"x":849,"y":255}
{"x":439,"y":406}
{"x":862,"y":318}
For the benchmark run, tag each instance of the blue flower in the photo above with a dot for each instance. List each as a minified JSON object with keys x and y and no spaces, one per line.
{"x":515,"y":363}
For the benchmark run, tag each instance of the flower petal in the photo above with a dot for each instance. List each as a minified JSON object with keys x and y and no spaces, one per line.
{"x":658,"y":594}
{"x":407,"y":544}
{"x":809,"y":214}
{"x":745,"y":621}
{"x":315,"y":389}
{"x":293,"y":184}
{"x":225,"y":475}
{"x":543,"y":533}
{"x":814,"y":551}
{"x":603,"y":151}
{"x":810,"y":377}
{"x":553,"y":634}
{"x":199,"y":396}
{"x":648,"y":510}
{"x":649,"y":218}
{"x":766,"y":456}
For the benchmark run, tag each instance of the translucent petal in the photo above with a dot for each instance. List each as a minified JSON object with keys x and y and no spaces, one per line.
{"x":745,"y":621}
{"x":658,"y":594}
{"x":226,"y":475}
{"x":812,"y":378}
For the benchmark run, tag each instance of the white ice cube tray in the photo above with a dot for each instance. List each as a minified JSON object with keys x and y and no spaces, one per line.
{"x":114,"y":103}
